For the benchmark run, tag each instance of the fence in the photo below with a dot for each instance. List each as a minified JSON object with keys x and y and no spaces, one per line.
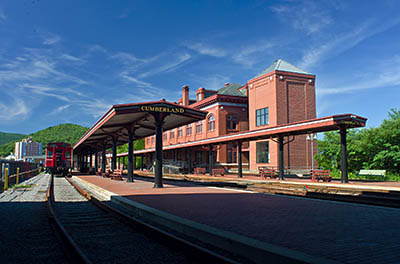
{"x":16,"y":171}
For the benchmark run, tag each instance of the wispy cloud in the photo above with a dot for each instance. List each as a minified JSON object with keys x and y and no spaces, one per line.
{"x":14,"y":110}
{"x":72,"y":58}
{"x":2,"y":16}
{"x":250,"y":55}
{"x":213,"y":81}
{"x":342,"y":42}
{"x":170,"y":65}
{"x":49,"y":38}
{"x":207,"y":50}
{"x":304,"y":15}
{"x":385,"y":74}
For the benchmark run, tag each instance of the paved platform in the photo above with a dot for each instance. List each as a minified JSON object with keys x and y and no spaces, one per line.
{"x":323,"y":230}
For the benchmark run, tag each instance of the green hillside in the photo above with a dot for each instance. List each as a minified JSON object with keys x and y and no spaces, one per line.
{"x":68,"y":133}
{"x":8,"y":137}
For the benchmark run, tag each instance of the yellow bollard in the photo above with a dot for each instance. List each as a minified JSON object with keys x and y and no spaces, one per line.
{"x":17,"y":176}
{"x":6,"y":179}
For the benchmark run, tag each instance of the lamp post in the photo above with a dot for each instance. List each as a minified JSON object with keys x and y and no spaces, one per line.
{"x":311,"y":137}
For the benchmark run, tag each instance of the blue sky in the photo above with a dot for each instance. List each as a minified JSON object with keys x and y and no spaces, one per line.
{"x":69,"y":61}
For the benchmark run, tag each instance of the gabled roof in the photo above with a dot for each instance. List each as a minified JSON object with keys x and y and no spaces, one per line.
{"x":232,"y":89}
{"x":281,"y":65}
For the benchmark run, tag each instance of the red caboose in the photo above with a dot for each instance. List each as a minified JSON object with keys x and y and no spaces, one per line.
{"x":58,"y":158}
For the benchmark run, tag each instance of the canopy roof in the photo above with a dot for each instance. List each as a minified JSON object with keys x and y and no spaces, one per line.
{"x":140,"y":117}
{"x":292,"y":129}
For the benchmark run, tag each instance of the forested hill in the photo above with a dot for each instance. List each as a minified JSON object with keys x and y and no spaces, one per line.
{"x":8,"y":137}
{"x":68,"y":133}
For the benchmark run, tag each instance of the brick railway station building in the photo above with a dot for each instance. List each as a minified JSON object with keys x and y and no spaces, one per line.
{"x":279,"y":95}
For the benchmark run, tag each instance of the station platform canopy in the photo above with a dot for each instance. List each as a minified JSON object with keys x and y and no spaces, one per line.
{"x":139,"y":118}
{"x":317,"y":125}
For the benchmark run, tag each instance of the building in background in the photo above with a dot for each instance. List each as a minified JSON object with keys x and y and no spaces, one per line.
{"x":27,"y":148}
{"x":279,"y":95}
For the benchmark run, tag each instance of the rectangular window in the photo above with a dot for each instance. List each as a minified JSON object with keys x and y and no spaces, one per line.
{"x":189,"y":130}
{"x":231,"y":153}
{"x":262,"y":152}
{"x":262,"y":117}
{"x":172,"y":134}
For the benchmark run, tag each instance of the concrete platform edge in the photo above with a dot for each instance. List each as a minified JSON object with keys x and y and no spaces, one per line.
{"x":245,"y":247}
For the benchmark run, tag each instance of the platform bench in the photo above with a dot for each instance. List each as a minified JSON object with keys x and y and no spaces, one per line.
{"x":373,"y":173}
{"x":106,"y":174}
{"x":324,"y":175}
{"x":198,"y":171}
{"x":218,"y":171}
{"x":116,"y":175}
{"x":266,"y":172}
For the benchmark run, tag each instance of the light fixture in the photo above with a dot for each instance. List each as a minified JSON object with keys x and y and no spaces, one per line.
{"x":281,"y":77}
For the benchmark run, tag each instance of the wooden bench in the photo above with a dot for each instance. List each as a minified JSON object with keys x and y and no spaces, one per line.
{"x":324,"y":175}
{"x":220,"y":171}
{"x":198,"y":171}
{"x":116,"y":175}
{"x":266,"y":172}
{"x":106,"y":174}
{"x":373,"y":173}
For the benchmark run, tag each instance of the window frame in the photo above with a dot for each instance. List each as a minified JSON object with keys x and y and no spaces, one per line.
{"x":211,"y":122}
{"x":262,"y":116}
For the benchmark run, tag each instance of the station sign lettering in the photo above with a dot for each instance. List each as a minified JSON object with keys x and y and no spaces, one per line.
{"x":162,"y":109}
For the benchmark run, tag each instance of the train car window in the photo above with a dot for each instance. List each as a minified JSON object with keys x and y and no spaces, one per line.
{"x":49,"y":153}
{"x":68,"y":155}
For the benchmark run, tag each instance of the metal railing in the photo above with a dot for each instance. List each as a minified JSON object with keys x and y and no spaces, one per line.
{"x":15,"y":172}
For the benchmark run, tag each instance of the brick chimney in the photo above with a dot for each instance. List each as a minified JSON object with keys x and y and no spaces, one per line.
{"x":200,"y":94}
{"x":185,"y":95}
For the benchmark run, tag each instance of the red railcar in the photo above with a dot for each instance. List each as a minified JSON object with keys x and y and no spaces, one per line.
{"x":58,"y":158}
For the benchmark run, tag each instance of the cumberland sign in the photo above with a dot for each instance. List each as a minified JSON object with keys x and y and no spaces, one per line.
{"x":162,"y":109}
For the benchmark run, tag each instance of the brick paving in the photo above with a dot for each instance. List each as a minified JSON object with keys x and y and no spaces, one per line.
{"x":348,"y":233}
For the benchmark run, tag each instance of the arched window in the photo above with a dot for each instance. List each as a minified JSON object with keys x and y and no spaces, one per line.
{"x":189,"y":130}
{"x":199,"y":127}
{"x":211,"y":123}
{"x":231,"y":122}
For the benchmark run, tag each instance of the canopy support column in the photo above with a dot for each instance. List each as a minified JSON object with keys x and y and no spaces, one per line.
{"x":114,"y":154}
{"x":96,"y":161}
{"x":103,"y":159}
{"x":159,"y":118}
{"x":189,"y":159}
{"x":280,"y":158}
{"x":130,"y":156}
{"x":210,"y":159}
{"x":240,"y":168}
{"x":90,"y":159}
{"x":343,"y":150}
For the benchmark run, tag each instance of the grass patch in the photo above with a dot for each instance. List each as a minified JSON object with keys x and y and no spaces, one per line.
{"x":22,"y":186}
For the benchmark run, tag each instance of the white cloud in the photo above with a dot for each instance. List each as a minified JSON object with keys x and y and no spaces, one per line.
{"x":71,"y":58}
{"x":171,"y":65}
{"x":304,"y":15}
{"x":342,"y":42}
{"x":2,"y":16}
{"x":250,"y":55}
{"x":207,"y":50}
{"x":50,"y":38}
{"x":15,"y":110}
{"x":386,"y":74}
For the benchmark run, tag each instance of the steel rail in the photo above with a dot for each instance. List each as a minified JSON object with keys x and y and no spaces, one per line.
{"x":73,"y":248}
{"x":125,"y":218}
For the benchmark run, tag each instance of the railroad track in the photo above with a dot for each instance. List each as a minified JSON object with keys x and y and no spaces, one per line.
{"x":98,"y":233}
